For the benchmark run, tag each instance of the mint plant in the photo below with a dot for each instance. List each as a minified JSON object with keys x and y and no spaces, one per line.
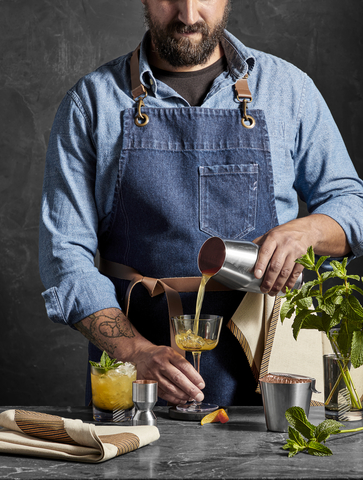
{"x":337,"y":306}
{"x":306,"y":437}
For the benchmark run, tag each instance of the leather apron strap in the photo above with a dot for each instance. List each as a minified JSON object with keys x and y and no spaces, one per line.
{"x":137,"y":88}
{"x":156,"y":286}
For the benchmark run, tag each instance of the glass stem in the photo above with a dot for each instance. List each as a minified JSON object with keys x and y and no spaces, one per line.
{"x":196,"y":359}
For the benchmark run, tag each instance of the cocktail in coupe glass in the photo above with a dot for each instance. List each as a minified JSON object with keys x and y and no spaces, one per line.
{"x":112,"y":392}
{"x":197,"y":335}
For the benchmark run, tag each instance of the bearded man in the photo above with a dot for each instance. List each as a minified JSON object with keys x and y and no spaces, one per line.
{"x":155,"y":152}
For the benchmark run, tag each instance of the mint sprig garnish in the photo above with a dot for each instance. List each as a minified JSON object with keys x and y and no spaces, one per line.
{"x":306,"y":437}
{"x":106,"y":363}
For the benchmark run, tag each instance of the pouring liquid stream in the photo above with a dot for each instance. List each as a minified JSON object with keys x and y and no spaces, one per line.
{"x":201,"y":291}
{"x":191,"y":340}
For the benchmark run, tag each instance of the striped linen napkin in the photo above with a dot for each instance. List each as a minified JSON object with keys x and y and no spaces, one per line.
{"x":51,"y":436}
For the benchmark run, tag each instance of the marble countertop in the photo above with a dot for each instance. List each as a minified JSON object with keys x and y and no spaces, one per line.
{"x":240,"y":448}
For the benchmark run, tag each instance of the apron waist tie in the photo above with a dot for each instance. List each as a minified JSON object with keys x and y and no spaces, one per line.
{"x":155,"y":286}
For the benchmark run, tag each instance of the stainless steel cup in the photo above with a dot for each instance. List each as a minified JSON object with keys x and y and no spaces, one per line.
{"x":278,"y":397}
{"x":231,"y":262}
{"x":144,"y":396}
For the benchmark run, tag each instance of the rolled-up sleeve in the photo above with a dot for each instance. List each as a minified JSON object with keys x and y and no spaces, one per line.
{"x":69,"y":221}
{"x":325,"y":177}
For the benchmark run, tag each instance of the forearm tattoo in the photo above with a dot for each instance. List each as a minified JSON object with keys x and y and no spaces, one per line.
{"x":102,"y":332}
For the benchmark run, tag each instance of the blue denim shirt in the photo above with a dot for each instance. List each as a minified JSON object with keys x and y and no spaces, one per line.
{"x":309,"y":160}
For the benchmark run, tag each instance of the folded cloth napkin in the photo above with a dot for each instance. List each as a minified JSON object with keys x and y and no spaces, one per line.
{"x":50,"y":436}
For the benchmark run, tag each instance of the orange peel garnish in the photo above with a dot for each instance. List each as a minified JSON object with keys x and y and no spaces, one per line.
{"x":219,"y":415}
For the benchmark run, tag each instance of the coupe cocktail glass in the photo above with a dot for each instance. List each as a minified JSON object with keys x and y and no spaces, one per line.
{"x":196,"y":336}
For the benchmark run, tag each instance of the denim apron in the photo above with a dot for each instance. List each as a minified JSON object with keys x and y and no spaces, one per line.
{"x":189,"y":174}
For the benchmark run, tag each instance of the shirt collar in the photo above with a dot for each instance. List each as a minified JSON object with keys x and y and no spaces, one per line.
{"x":239,"y":58}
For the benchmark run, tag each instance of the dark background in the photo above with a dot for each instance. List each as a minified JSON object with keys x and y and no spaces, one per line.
{"x":45,"y":47}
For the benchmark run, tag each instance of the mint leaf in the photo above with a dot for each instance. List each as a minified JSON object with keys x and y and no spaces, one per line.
{"x":285,"y":310}
{"x":298,"y":322}
{"x":354,"y":277}
{"x":328,"y":308}
{"x":344,"y":338}
{"x":327,"y":428}
{"x":313,"y":322}
{"x":297,"y":418}
{"x":354,"y":287}
{"x":339,"y":268}
{"x":307,"y":288}
{"x":295,"y":443}
{"x":94,"y":364}
{"x":296,"y":437}
{"x":307,"y":260}
{"x":321,"y":261}
{"x":292,"y":447}
{"x":305,"y":302}
{"x":337,"y":300}
{"x":355,"y":305}
{"x":330,"y":322}
{"x":345,"y":262}
{"x":319,"y":450}
{"x":326,"y":275}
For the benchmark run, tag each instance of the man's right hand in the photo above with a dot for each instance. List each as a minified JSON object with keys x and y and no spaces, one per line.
{"x":178,"y":381}
{"x":111,"y":330}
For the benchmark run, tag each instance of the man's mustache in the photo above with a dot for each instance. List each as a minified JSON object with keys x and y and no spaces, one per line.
{"x":180,"y":27}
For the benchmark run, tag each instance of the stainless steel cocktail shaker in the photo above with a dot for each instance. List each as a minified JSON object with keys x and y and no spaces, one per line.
{"x":231,"y":262}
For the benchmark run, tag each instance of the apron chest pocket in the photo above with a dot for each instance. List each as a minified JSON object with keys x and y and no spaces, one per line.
{"x":228,"y":199}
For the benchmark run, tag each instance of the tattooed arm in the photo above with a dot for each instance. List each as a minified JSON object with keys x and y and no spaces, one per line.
{"x":111,"y":330}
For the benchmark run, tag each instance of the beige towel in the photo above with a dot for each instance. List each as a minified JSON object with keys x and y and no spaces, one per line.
{"x":50,"y":436}
{"x":270,"y":346}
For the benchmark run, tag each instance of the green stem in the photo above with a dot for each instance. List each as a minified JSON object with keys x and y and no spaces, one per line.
{"x":328,"y":400}
{"x":321,"y":283}
{"x":359,"y":403}
{"x":351,"y":430}
{"x":343,"y":366}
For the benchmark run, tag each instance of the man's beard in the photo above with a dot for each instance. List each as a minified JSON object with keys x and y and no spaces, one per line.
{"x":183,"y":52}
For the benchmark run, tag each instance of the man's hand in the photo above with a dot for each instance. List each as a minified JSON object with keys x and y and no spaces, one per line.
{"x":177,"y":379}
{"x":282,"y":245}
{"x":111,"y":331}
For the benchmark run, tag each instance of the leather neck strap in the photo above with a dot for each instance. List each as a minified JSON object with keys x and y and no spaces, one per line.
{"x":137,"y":88}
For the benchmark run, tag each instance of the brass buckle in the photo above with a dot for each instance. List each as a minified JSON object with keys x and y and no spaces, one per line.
{"x":247,"y":121}
{"x":141,"y":119}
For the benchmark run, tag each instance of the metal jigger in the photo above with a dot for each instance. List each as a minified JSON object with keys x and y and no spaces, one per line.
{"x":144,"y":396}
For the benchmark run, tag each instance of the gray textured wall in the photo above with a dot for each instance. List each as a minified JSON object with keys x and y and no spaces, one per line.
{"x":45,"y":46}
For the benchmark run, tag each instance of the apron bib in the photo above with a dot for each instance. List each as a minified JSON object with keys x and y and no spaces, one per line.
{"x":190,"y":173}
